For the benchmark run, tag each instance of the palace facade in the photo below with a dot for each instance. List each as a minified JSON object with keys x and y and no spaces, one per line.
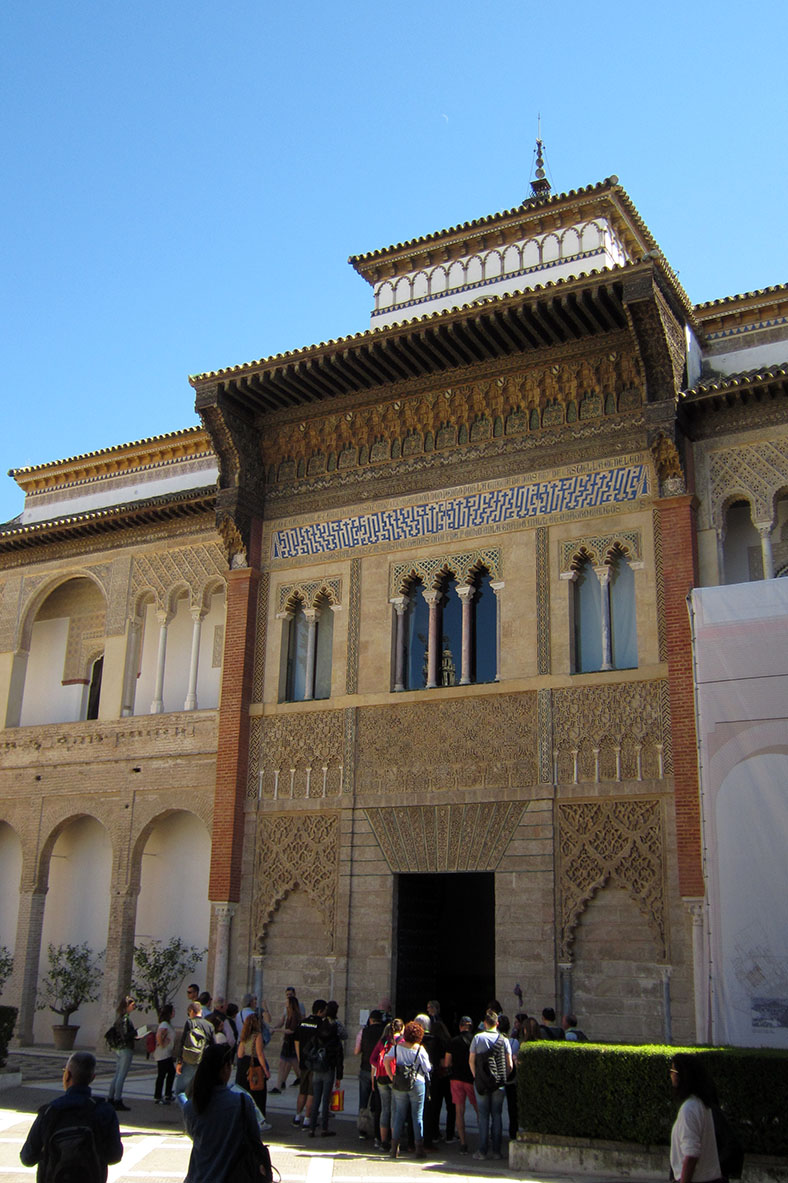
{"x":380,"y":683}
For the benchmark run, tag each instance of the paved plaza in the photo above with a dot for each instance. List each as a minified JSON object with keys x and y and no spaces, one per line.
{"x":157,"y":1151}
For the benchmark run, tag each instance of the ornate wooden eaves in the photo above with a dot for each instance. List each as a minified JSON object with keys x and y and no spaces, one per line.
{"x":566,"y":312}
{"x":239,"y":500}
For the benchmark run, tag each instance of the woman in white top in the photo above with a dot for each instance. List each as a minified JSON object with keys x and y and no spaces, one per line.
{"x":162,"y":1054}
{"x":693,"y":1145}
{"x":408,"y":1066}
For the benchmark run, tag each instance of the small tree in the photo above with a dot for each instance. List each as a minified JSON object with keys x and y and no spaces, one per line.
{"x":73,"y":978}
{"x":160,"y":970}
{"x":6,"y":966}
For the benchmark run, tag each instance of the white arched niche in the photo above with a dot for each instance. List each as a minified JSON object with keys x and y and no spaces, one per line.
{"x":76,"y":910}
{"x":173,"y":899}
{"x":10,"y":874}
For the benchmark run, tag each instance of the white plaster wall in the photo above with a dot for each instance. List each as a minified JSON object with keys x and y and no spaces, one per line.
{"x":209,"y":680}
{"x":173,"y":899}
{"x":46,"y":700}
{"x":77,"y":910}
{"x":737,"y":361}
{"x":179,"y":647}
{"x":99,"y":494}
{"x":10,"y":872}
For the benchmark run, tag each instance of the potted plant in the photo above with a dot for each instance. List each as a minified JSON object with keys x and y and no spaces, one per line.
{"x":73,"y":978}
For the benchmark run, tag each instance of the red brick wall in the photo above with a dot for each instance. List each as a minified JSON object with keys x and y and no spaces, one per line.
{"x":233,"y":739}
{"x":679,"y":549}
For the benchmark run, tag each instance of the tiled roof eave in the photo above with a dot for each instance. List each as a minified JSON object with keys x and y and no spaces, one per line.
{"x":115,"y":517}
{"x":732,"y":386}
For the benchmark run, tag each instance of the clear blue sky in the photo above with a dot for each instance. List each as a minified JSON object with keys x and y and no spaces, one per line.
{"x":185,"y":181}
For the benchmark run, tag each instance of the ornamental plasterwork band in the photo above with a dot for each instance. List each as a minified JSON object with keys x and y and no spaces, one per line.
{"x":309,"y":592}
{"x":756,"y":471}
{"x":432,"y":838}
{"x":599,"y":549}
{"x":620,"y":842}
{"x":462,"y":566}
{"x":492,"y":509}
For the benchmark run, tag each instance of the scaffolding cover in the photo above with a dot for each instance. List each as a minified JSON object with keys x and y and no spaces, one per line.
{"x":740,"y":641}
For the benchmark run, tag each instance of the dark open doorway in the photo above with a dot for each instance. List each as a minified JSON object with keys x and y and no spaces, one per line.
{"x":445,"y":943}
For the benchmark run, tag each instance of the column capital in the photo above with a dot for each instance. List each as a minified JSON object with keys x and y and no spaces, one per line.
{"x":465,"y":591}
{"x":163,"y":616}
{"x":197,"y":613}
{"x":400,"y":603}
{"x":695,"y":906}
{"x":224,"y":911}
{"x":432,"y":595}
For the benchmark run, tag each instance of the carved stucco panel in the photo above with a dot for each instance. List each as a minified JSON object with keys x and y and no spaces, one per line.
{"x":758,"y":470}
{"x":612,"y":732}
{"x":433,"y":838}
{"x":296,"y":850}
{"x":611,"y":841}
{"x":193,"y":566}
{"x":435,"y":746}
{"x":300,"y":755}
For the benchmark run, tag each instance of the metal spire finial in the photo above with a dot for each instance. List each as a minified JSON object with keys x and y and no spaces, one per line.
{"x":540,"y":188}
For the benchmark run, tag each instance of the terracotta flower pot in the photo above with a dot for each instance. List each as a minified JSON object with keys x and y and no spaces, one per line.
{"x":64,"y":1035}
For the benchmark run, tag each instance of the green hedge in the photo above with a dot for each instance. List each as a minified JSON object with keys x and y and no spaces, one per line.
{"x":7,"y":1023}
{"x":622,"y":1093}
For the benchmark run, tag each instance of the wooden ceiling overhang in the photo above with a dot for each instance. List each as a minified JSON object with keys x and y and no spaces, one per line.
{"x":557,"y":314}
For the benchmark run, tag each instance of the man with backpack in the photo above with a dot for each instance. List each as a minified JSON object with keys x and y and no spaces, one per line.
{"x":303,"y":1039}
{"x":197,"y":1035}
{"x":490,"y":1061}
{"x":74,"y":1138}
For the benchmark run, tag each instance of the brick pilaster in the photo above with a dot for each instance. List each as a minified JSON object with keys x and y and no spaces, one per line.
{"x":679,"y":549}
{"x":232,"y":758}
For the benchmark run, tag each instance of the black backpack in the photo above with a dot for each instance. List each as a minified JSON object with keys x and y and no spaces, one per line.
{"x":491,"y":1067}
{"x":70,"y":1150}
{"x":195,"y":1041}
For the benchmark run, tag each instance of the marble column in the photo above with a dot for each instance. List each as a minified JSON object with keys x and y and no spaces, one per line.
{"x":603,"y":575}
{"x":466,"y":593}
{"x":198,"y":615}
{"x":157,"y":706}
{"x":433,"y":598}
{"x":312,"y":616}
{"x":133,"y":639}
{"x":224,"y":917}
{"x":400,"y":607}
{"x":565,"y":970}
{"x":497,"y":588}
{"x":765,"y":531}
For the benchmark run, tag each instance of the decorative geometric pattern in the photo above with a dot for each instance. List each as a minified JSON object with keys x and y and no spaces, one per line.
{"x":544,"y":710}
{"x":611,"y":841}
{"x":488,"y":509}
{"x":463,"y":567}
{"x":295,"y":850}
{"x":261,"y":635}
{"x":599,"y":549}
{"x":611,"y":732}
{"x":353,"y":627}
{"x":432,"y":838}
{"x":309,"y":592}
{"x":162,"y":573}
{"x":348,"y":771}
{"x":755,"y":471}
{"x":300,"y":755}
{"x":446,"y":745}
{"x":542,"y":602}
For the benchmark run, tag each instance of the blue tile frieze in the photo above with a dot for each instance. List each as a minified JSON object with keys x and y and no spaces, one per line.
{"x":487,"y":509}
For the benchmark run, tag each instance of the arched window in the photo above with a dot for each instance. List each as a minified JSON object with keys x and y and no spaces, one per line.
{"x":604,"y":621}
{"x":484,"y":635}
{"x":623,"y":624}
{"x":417,"y":625}
{"x":324,"y":643}
{"x":295,"y":688}
{"x":310,"y":642}
{"x":587,"y":619}
{"x":462,"y":619}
